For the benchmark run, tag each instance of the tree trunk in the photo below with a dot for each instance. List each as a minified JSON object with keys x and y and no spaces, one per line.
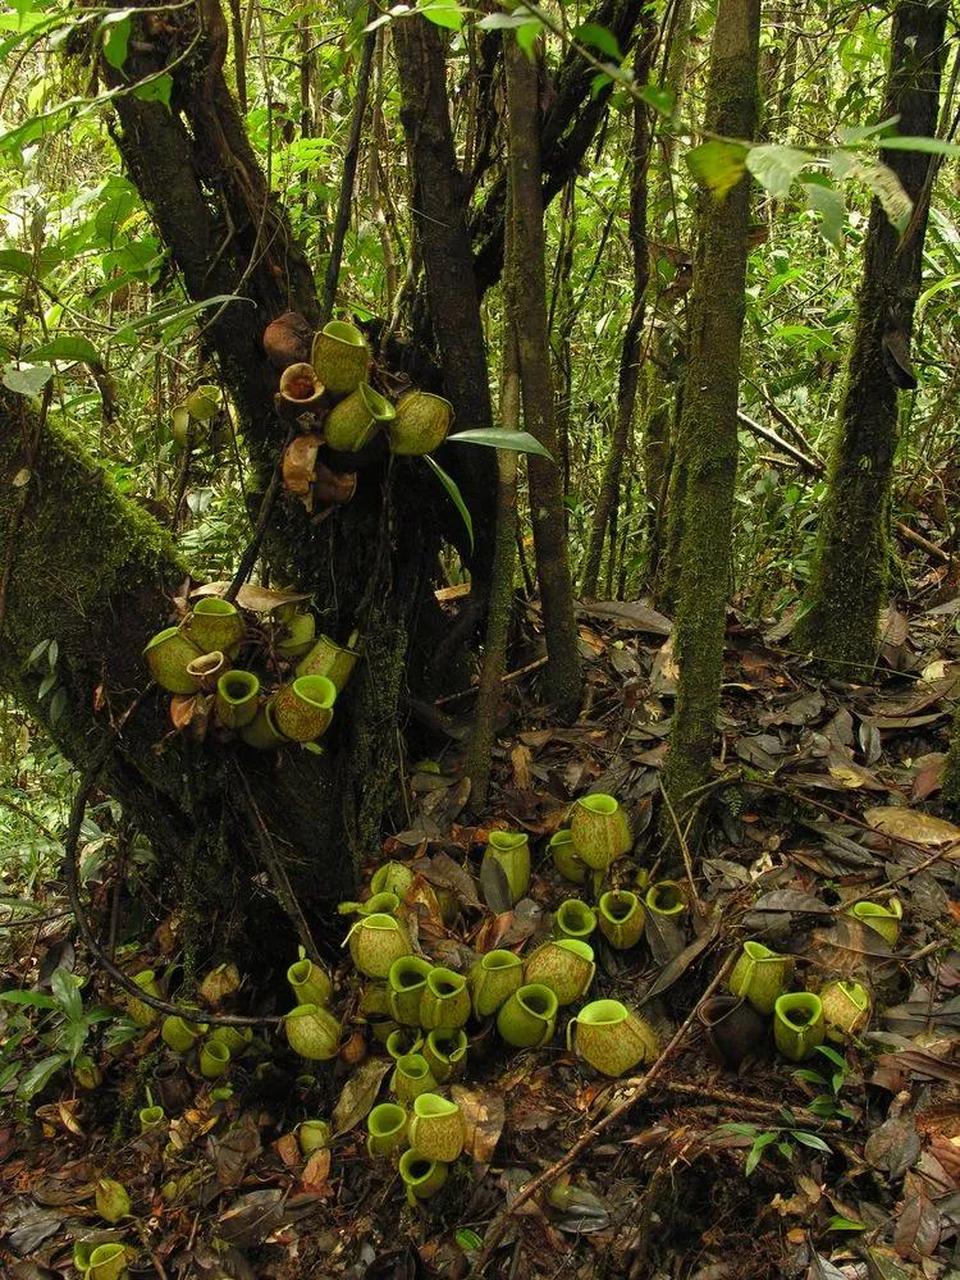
{"x":840,"y":625}
{"x":951,"y":768}
{"x":632,"y":346}
{"x":707,"y":445}
{"x":439,"y":207}
{"x":528,"y":291}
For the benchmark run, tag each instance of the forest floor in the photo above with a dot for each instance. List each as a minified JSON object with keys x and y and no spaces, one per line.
{"x":827,"y":793}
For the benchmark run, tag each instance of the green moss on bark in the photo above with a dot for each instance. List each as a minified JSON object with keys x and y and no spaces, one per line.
{"x":951,"y":770}
{"x":706,"y":455}
{"x":849,"y":581}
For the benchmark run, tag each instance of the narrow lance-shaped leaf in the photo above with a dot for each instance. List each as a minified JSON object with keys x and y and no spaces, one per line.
{"x":456,"y":497}
{"x":494,"y":438}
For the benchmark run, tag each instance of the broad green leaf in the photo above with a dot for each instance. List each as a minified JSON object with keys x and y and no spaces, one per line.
{"x":827,"y":204}
{"x":37,"y":652}
{"x":659,"y":97}
{"x":839,"y":1223}
{"x":35,"y":999}
{"x":812,"y":1077}
{"x":443,"y":13}
{"x":157,"y":89}
{"x":116,"y":37}
{"x":68,"y":346}
{"x":16,"y":262}
{"x":65,"y":992}
{"x":858,"y":133}
{"x":39,"y":1075}
{"x":718,"y":165}
{"x":882,"y":181}
{"x":527,"y":36}
{"x":596,"y":37}
{"x":775,"y":168}
{"x":494,"y":438}
{"x":29,"y":381}
{"x":931,"y":146}
{"x":453,"y":489}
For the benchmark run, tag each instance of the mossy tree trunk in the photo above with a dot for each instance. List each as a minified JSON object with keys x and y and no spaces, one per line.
{"x":529,"y":303}
{"x":631,"y":348}
{"x":840,"y":624}
{"x":707,"y":444}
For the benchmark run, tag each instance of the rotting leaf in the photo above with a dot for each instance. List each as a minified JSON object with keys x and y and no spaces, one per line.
{"x":236,"y":1150}
{"x":494,"y":886}
{"x":895,"y":1145}
{"x":918,"y":1227}
{"x":253,"y":597}
{"x":680,"y":963}
{"x":902,"y":823}
{"x":359,"y":1094}
{"x":791,"y":900}
{"x":316,"y":1172}
{"x":484,"y":1115}
{"x":578,"y":1210}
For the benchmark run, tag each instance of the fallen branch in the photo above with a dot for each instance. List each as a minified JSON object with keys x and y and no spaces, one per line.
{"x":636,"y":1089}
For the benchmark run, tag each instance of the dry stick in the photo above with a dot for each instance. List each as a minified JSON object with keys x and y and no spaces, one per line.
{"x":281,"y":881}
{"x":741,"y":1100}
{"x":72,"y":877}
{"x":350,"y":159}
{"x":685,"y":852}
{"x":249,"y":557}
{"x":635,"y":1091}
{"x":507,"y":679}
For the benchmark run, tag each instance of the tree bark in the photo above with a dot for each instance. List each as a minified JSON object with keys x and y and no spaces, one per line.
{"x":632,"y":346}
{"x":439,"y":209}
{"x":528,"y":293}
{"x":707,"y":445}
{"x":840,"y":625}
{"x":951,"y":769}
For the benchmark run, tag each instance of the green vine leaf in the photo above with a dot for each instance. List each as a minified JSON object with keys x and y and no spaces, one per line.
{"x":494,"y":438}
{"x":718,"y":165}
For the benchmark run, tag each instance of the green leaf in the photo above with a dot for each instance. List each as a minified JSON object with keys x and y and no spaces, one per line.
{"x":16,"y":262}
{"x":839,"y":1223}
{"x":443,"y":13}
{"x":760,"y":1144}
{"x":37,"y":652}
{"x":65,"y":992}
{"x":742,"y":1130}
{"x":157,"y":89}
{"x":35,"y":999}
{"x":46,"y":684}
{"x":828,"y":204}
{"x":39,"y":1075}
{"x":468,"y":1240}
{"x":58,"y":704}
{"x":453,"y":489}
{"x":68,"y":346}
{"x":812,"y":1077}
{"x":718,"y":165}
{"x":597,"y":37}
{"x":115,"y":29}
{"x":659,"y":97}
{"x":775,"y":168}
{"x":503,"y":21}
{"x":931,"y":146}
{"x":27,"y":382}
{"x":809,"y":1140}
{"x":830,"y":1053}
{"x":494,"y":438}
{"x":527,"y":36}
{"x":884,"y":184}
{"x":824,"y":1106}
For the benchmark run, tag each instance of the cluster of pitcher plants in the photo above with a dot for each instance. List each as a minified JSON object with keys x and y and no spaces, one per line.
{"x":267,"y":681}
{"x":325,"y":389}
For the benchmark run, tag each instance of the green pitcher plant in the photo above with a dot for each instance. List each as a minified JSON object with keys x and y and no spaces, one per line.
{"x":493,"y":979}
{"x":565,"y":857}
{"x":340,"y":357}
{"x":612,"y":1038}
{"x":411,"y":1077}
{"x":798,"y":1025}
{"x":666,"y":898}
{"x":168,"y":655}
{"x":446,"y":1053}
{"x":213,"y":624}
{"x":303,"y":709}
{"x":421,"y":423}
{"x":435,"y":1128}
{"x":884,"y":920}
{"x":600,"y":829}
{"x":761,"y":975}
{"x":421,"y":1178}
{"x":238,"y":698}
{"x":309,"y":981}
{"x":565,"y":965}
{"x":445,"y":1003}
{"x":621,"y":917}
{"x":510,"y":850}
{"x":312,"y":1032}
{"x":846,"y":1008}
{"x":386,"y":1129}
{"x":313,"y":1135}
{"x":406,"y":983}
{"x":529,"y":1018}
{"x":375,"y":941}
{"x":574,"y":919}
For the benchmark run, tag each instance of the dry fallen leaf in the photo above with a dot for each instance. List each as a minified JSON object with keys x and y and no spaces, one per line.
{"x":288,"y":1149}
{"x":483,"y":1119}
{"x":316,"y":1172}
{"x":359,"y":1094}
{"x":912,"y":825}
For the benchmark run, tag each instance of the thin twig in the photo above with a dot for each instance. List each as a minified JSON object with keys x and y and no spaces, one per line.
{"x":249,"y":557}
{"x":685,"y":852}
{"x":507,"y":679}
{"x":351,"y":156}
{"x":635,"y":1090}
